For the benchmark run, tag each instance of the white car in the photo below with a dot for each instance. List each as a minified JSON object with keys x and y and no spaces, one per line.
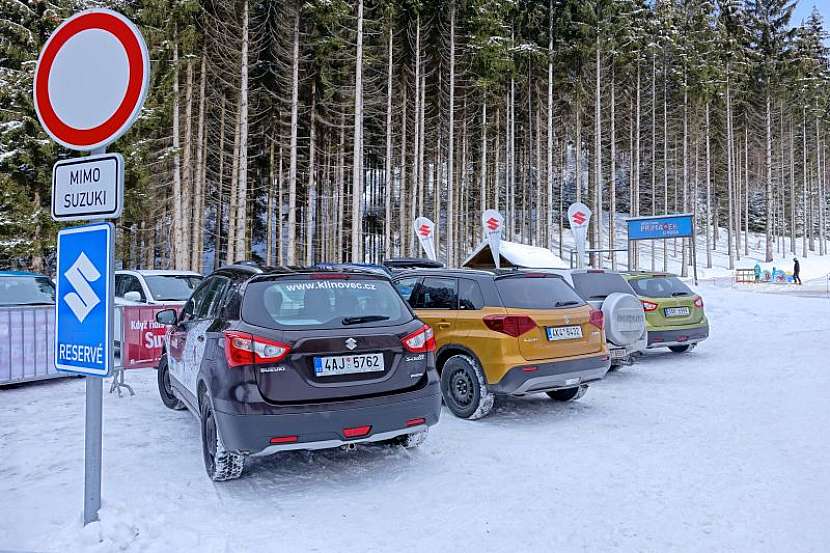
{"x":625,"y":320}
{"x":146,"y":287}
{"x":154,"y":287}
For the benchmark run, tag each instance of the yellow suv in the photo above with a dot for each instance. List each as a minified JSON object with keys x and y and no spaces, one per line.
{"x":506,"y":332}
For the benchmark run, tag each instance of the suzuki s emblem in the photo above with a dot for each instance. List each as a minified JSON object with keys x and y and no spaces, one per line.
{"x":351,"y":343}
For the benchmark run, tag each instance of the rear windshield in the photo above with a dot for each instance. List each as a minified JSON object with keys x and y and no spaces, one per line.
{"x":323,"y":304}
{"x":26,"y":290}
{"x":172,"y":287}
{"x":536,"y":293}
{"x":660,"y":287}
{"x":598,"y":286}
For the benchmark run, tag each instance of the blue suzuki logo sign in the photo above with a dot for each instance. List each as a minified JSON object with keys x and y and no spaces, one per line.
{"x":83,"y":322}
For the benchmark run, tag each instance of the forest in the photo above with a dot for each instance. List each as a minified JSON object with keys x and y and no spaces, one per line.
{"x":295,"y":132}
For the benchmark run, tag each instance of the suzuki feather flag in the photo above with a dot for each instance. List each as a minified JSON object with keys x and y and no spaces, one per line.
{"x":493,"y":224}
{"x":579,"y":216}
{"x":425,"y":231}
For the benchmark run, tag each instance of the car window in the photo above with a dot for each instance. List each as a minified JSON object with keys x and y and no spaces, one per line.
{"x":469,"y":295}
{"x":598,"y":286}
{"x":193,"y":304}
{"x":288,"y":303}
{"x":537,"y":293}
{"x":131,"y":283}
{"x":209,"y":304}
{"x":437,"y":293}
{"x":119,"y":286}
{"x":660,"y":287}
{"x":172,"y":287}
{"x":26,"y":290}
{"x":406,"y":287}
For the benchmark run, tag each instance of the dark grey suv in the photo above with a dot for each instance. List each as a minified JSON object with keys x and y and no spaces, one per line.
{"x":276,"y":359}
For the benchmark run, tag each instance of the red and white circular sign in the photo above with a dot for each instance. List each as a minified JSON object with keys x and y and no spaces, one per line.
{"x":91,"y":79}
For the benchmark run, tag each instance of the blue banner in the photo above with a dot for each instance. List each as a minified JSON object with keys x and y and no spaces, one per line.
{"x":83,"y":303}
{"x":659,"y":228}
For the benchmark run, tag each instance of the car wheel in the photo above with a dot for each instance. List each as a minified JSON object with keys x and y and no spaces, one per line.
{"x":220,"y":464}
{"x":166,"y":388}
{"x":568,"y":394}
{"x":680,"y":349}
{"x":464,"y":388}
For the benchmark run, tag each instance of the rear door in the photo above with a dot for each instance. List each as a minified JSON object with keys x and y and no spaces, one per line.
{"x":562,"y":318}
{"x":674,"y":300}
{"x":435,"y":300}
{"x":344,"y":332}
{"x":203,"y":317}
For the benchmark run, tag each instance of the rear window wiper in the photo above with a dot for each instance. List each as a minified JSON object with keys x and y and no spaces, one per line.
{"x":565,"y":303}
{"x":598,"y":297}
{"x":675,"y":294}
{"x":363,"y":319}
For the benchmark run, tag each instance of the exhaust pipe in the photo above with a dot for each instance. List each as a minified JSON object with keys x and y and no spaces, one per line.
{"x":348,"y":447}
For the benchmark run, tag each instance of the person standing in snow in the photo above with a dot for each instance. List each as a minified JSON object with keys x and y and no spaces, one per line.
{"x":796,"y":271}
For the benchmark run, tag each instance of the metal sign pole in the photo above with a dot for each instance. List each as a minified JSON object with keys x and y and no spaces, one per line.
{"x":93,"y":429}
{"x":93,"y":435}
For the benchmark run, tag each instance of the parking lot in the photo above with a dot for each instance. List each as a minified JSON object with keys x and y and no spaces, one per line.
{"x":721,"y":449}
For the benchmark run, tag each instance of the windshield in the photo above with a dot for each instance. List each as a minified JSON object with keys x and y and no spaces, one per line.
{"x":172,"y":287}
{"x":26,"y":290}
{"x":323,"y":304}
{"x":598,"y":286}
{"x":661,"y":287}
{"x":536,"y":293}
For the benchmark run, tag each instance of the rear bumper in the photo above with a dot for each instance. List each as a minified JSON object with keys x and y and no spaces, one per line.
{"x":323,"y":426}
{"x":677,"y":337}
{"x":551,"y":376}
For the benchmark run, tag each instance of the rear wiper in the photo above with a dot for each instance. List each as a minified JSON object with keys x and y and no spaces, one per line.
{"x":598,"y":297}
{"x":564,"y":303}
{"x":363,"y":319}
{"x":675,"y":294}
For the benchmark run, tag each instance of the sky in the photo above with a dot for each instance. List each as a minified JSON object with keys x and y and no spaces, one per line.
{"x":804,"y":7}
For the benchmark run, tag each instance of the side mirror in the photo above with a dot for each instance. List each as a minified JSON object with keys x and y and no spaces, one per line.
{"x":133,"y":296}
{"x":166,"y":317}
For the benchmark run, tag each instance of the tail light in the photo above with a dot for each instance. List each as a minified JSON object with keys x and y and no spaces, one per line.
{"x":420,"y":341}
{"x":649,"y":305}
{"x":512,"y":325}
{"x":242,"y":348}
{"x":416,"y":422}
{"x":699,"y":302}
{"x":597,"y":319}
{"x":356,"y":432}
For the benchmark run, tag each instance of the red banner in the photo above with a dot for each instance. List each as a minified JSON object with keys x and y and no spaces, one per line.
{"x":143,"y":336}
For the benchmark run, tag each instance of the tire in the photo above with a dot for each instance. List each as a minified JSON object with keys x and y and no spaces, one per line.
{"x":220,"y":464}
{"x":465,"y":389}
{"x":165,"y":388}
{"x":680,"y":349}
{"x":568,"y":394}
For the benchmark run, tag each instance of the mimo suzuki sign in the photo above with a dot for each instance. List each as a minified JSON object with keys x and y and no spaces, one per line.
{"x":88,"y":186}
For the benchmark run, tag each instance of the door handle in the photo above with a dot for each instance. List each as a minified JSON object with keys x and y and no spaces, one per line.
{"x":444,"y":325}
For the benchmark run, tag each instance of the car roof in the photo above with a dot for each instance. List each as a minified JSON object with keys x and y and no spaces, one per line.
{"x":21,"y":273}
{"x":157,"y":272}
{"x":472,"y":272}
{"x":647,"y":274}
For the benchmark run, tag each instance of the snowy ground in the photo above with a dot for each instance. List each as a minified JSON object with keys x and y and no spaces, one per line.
{"x":723,"y":449}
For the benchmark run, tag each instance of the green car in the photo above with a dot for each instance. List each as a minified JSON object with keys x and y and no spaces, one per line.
{"x":674,"y":314}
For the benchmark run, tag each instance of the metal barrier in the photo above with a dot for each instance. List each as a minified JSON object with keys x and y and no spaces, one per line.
{"x":27,"y":344}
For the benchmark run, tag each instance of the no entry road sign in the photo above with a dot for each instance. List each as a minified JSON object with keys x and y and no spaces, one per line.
{"x":90,"y":187}
{"x":91,"y":79}
{"x":84,"y":298}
